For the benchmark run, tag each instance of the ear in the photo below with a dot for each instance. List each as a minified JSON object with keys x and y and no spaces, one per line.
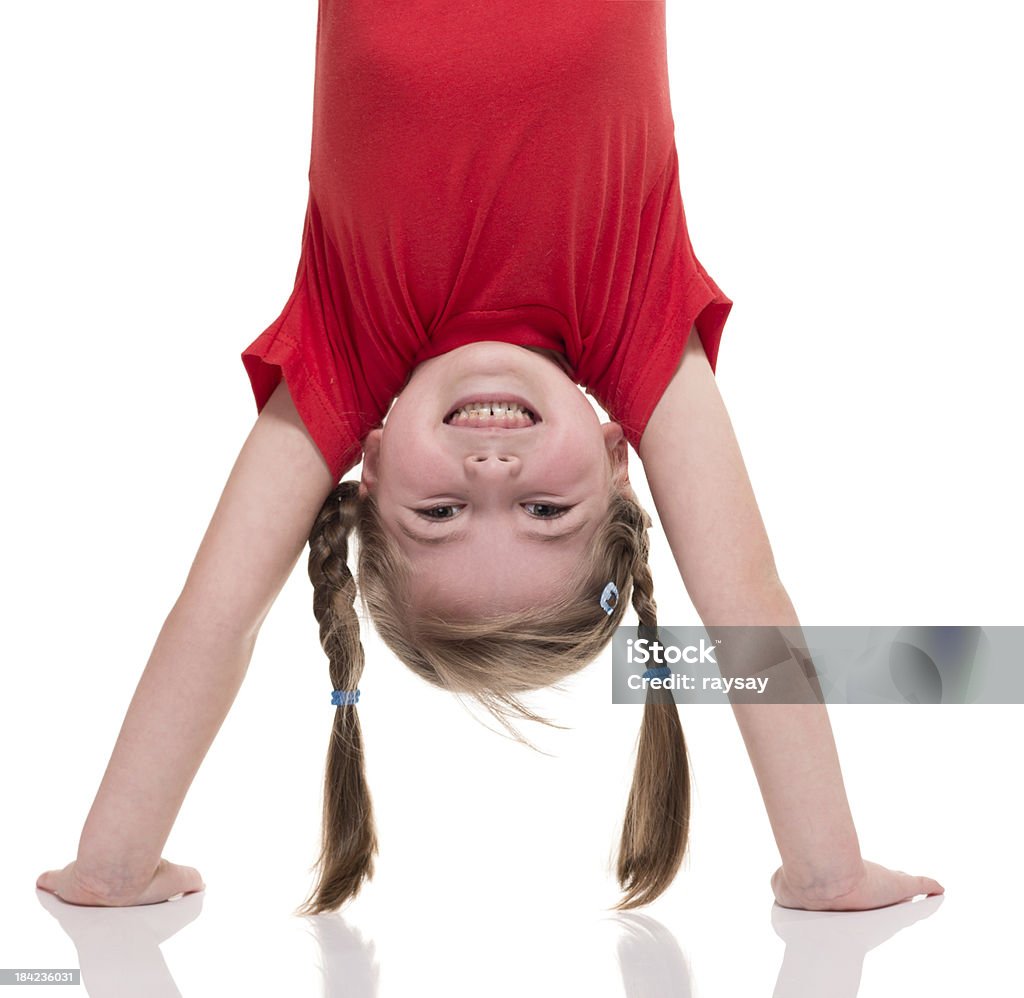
{"x":618,"y":452}
{"x":371,"y":462}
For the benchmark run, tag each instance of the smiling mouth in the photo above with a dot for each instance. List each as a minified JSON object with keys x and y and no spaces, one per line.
{"x":488,"y":413}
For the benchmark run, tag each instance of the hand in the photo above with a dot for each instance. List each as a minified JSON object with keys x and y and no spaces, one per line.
{"x":168,"y":883}
{"x":877,"y":887}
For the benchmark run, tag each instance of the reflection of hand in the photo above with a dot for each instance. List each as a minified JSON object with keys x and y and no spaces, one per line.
{"x":877,"y":888}
{"x":119,"y":947}
{"x":825,"y":950}
{"x":169,"y":881}
{"x":811,"y":933}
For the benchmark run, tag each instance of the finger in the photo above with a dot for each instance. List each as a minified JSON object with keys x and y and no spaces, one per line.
{"x":187,"y":878}
{"x":920,"y":885}
{"x":193,"y":880}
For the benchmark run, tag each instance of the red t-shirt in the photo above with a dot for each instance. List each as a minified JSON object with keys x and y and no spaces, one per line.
{"x":487,"y":171}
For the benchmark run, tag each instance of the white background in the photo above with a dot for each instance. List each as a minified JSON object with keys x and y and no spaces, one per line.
{"x":851,"y":180}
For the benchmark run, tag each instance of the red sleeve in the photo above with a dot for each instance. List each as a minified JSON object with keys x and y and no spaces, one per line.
{"x":674,"y":292}
{"x":297,"y":347}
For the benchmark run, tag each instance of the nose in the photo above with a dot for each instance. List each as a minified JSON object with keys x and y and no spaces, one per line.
{"x":496,"y":466}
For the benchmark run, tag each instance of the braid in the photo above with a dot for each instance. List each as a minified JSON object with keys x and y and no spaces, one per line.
{"x":349,"y":839}
{"x":643,"y":583}
{"x":656,"y":826}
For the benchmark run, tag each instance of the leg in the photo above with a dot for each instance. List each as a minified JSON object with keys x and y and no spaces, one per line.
{"x":258,"y":530}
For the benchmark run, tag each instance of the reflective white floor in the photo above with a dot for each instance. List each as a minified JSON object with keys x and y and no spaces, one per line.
{"x":505,"y":891}
{"x":138,"y":951}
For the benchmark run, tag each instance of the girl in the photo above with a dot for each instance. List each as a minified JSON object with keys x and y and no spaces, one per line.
{"x":494,"y":218}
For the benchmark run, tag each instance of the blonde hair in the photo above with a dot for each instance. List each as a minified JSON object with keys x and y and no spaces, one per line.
{"x":492,"y":661}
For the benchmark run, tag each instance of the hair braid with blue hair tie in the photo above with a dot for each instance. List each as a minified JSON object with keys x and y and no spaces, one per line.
{"x":658,"y":672}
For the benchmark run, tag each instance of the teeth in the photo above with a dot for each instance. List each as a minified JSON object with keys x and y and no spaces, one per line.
{"x":484,"y":410}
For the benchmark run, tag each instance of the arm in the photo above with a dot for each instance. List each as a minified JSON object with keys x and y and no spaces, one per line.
{"x":258,"y":530}
{"x":707,"y":508}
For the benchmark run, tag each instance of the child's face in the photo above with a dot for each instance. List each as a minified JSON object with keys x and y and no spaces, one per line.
{"x":493,"y":518}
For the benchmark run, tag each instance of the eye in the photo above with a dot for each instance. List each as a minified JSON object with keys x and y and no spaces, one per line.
{"x":547,"y":507}
{"x":440,"y":510}
{"x":540,"y":511}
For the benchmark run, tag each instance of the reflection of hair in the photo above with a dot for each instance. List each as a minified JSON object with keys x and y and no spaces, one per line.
{"x":491,"y":661}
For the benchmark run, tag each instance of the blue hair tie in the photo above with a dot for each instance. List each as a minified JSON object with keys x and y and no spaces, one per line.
{"x":342,"y":697}
{"x":611,"y":591}
{"x":658,"y":672}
